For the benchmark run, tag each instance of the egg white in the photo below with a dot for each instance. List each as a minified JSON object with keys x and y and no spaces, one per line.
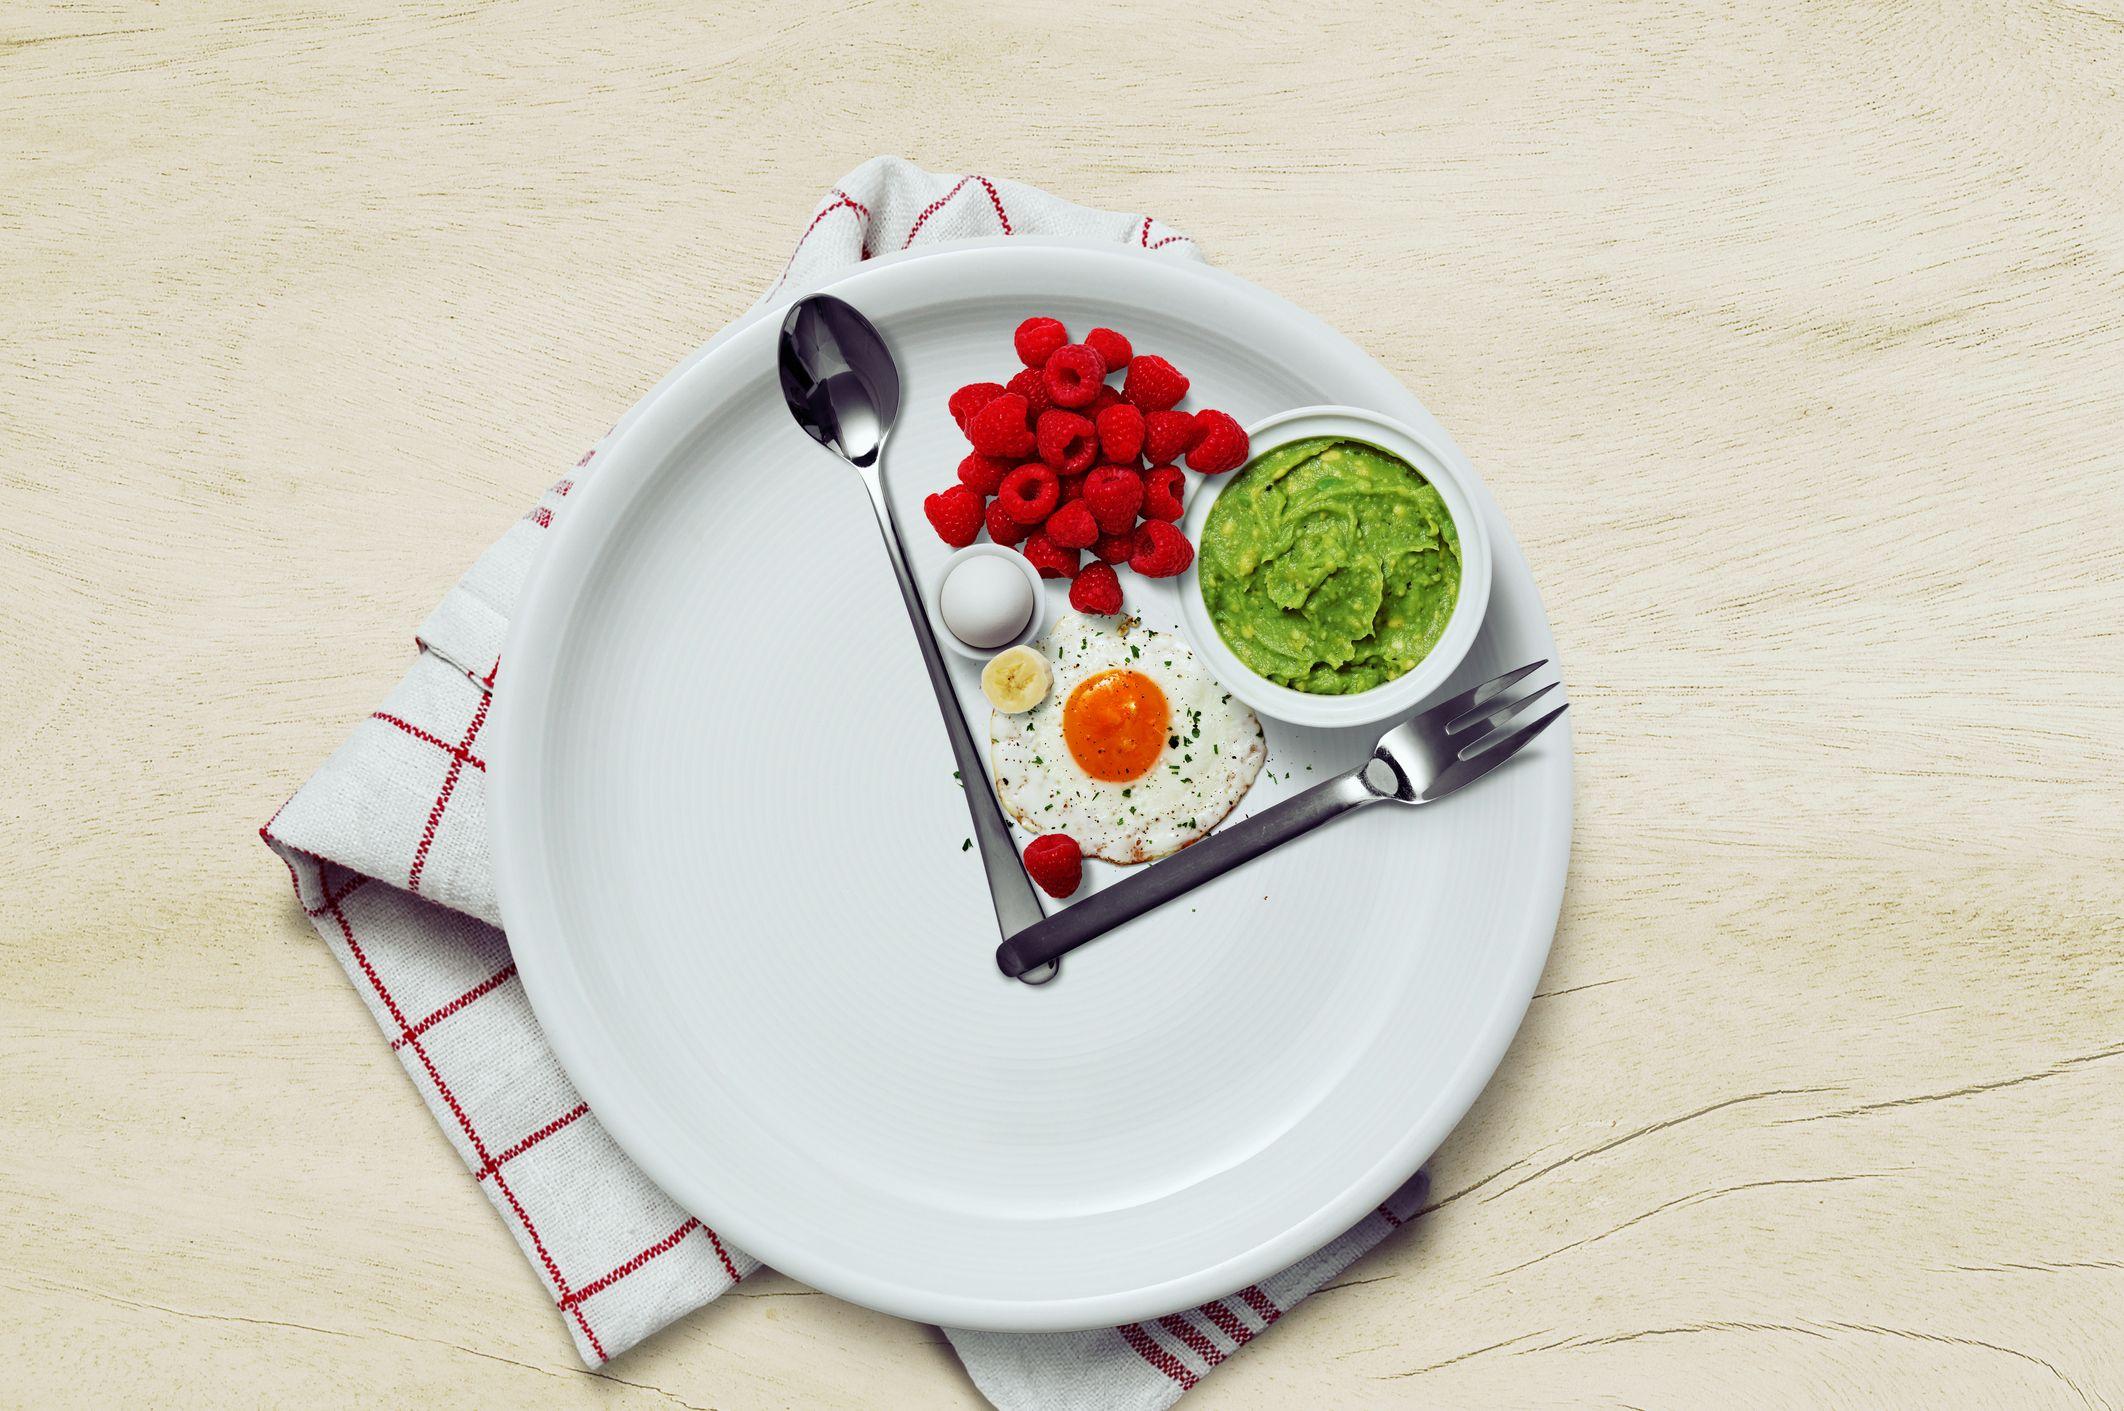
{"x":1214,"y":748}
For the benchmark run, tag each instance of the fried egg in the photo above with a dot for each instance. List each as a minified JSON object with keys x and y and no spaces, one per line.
{"x":1135,"y":753}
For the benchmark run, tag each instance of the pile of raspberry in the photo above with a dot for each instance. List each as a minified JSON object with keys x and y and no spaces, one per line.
{"x":1064,"y":463}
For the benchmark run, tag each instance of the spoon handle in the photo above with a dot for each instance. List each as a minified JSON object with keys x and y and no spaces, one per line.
{"x":1011,"y":890}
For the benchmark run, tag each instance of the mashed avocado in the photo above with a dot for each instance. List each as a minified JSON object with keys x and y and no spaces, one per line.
{"x":1330,"y":566}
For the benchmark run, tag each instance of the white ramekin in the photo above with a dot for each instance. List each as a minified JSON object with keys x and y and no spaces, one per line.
{"x":1390,"y":700}
{"x":934,"y":598}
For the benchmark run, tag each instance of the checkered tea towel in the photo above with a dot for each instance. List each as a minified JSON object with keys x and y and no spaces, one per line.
{"x":388,"y":846}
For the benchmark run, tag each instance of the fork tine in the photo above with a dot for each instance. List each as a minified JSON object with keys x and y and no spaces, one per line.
{"x":1485,"y":755}
{"x":1453,"y":707}
{"x":1507,"y":741}
{"x":1498,"y":709}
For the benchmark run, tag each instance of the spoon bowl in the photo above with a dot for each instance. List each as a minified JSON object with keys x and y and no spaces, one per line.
{"x":839,"y":378}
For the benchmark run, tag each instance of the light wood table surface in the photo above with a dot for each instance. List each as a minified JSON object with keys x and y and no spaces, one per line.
{"x":1791,"y":338}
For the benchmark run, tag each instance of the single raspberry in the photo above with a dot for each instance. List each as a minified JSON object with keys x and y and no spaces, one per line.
{"x":971,"y":398}
{"x":982,"y":474}
{"x":1000,"y":428}
{"x":1074,"y":375}
{"x":1153,"y":384}
{"x":1067,"y":441}
{"x":1164,"y":489}
{"x":1121,"y":433}
{"x":1001,"y":527}
{"x":1030,"y":493}
{"x":1220,"y":444}
{"x":1111,"y":346}
{"x":1050,"y":558}
{"x":1097,"y":590}
{"x":1161,"y":550}
{"x":1167,"y":436}
{"x":1072,"y":526}
{"x":1114,"y":493}
{"x":1055,"y":862}
{"x":1033,"y":388}
{"x":1036,"y":338}
{"x":1107,"y":397}
{"x":955,"y":514}
{"x":1115,"y":548}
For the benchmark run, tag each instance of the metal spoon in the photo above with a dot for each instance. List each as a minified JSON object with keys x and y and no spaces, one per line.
{"x":843,"y":388}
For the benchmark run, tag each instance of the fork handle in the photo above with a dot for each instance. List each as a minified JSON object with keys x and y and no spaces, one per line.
{"x":1153,"y":886}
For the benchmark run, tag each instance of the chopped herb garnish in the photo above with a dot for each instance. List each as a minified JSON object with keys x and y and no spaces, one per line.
{"x":965,"y":846}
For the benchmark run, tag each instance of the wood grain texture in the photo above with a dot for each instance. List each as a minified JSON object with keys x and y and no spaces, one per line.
{"x":1791,"y":337}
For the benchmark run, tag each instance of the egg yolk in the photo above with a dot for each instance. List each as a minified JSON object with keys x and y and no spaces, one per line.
{"x":1115,"y":724}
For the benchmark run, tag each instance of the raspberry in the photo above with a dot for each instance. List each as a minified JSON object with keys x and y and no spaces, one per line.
{"x":1163,"y":492}
{"x":1107,"y":397}
{"x":1097,"y":590}
{"x":1161,"y":550}
{"x":1074,"y":375}
{"x":1072,"y":526}
{"x":1001,"y":527}
{"x":1000,"y":428}
{"x":1033,"y":388}
{"x":982,"y":474}
{"x":1167,"y":436}
{"x":971,"y":398}
{"x":1153,"y":384}
{"x":1115,"y":548}
{"x":1067,"y":441}
{"x":1036,"y":338}
{"x":1220,"y":443}
{"x":1050,"y":558}
{"x":1055,"y":862}
{"x":1072,"y":488}
{"x":1121,"y":433}
{"x":1030,"y":493}
{"x":955,"y":514}
{"x":1114,"y":493}
{"x":1111,"y":346}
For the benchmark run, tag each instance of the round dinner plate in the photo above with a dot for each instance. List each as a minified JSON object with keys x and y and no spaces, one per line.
{"x":732,"y":858}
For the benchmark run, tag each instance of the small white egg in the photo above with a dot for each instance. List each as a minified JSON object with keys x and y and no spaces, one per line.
{"x":985,"y":601}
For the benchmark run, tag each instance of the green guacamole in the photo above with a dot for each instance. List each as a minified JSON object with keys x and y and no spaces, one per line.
{"x":1330,"y":566}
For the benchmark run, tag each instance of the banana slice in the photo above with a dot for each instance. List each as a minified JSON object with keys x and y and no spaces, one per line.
{"x":1016,"y":680}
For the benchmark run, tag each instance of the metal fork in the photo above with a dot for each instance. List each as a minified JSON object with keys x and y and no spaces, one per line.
{"x":1419,"y":761}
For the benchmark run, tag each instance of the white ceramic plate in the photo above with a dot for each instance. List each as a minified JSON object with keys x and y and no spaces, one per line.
{"x":728,"y":843}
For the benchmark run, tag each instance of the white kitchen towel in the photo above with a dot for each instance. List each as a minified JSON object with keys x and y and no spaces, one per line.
{"x":387,"y":844}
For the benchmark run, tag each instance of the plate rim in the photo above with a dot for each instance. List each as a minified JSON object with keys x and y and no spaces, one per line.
{"x":542,"y":614}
